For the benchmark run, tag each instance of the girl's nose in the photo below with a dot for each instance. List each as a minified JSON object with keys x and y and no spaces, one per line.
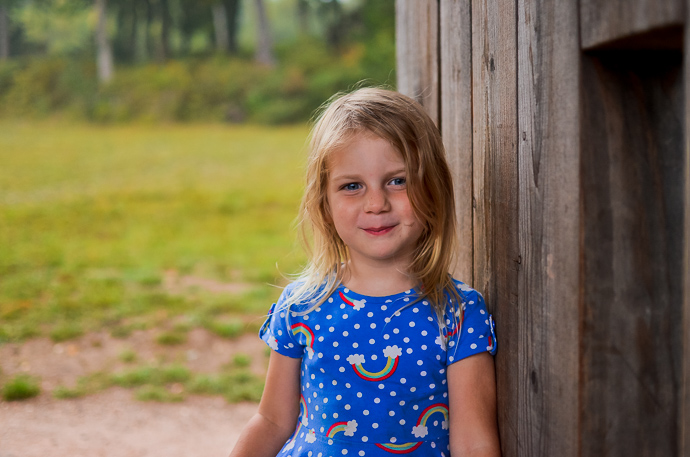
{"x":376,"y":201}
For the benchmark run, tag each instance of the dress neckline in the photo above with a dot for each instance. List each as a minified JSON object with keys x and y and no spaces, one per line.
{"x":411,"y":293}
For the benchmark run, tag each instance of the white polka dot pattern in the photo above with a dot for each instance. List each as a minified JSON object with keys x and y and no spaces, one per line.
{"x":377,"y":357}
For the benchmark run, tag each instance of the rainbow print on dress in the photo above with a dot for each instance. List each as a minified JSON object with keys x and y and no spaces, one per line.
{"x":421,"y":430}
{"x":404,"y":448}
{"x":348,"y":428}
{"x":303,"y":329}
{"x":392,"y":354}
{"x":356,"y":304}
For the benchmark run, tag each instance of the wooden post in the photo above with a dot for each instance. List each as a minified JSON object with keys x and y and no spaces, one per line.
{"x":684,"y":407}
{"x":579,"y":172}
{"x":456,"y":112}
{"x":495,"y":190}
{"x":547,"y":314}
{"x":417,"y":52}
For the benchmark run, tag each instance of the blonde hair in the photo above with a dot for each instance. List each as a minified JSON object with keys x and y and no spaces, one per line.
{"x":401,"y":121}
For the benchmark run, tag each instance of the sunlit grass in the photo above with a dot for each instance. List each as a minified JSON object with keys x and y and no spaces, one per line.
{"x":170,"y":383}
{"x":92,"y":218}
{"x":128,"y":356}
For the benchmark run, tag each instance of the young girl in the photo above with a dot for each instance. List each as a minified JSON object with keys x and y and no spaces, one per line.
{"x":376,"y":349}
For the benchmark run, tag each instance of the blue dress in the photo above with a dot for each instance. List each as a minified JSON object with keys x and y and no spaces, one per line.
{"x":373,"y":373}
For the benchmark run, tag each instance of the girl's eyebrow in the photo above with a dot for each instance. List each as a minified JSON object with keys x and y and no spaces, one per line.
{"x":359,"y":176}
{"x":348,"y":177}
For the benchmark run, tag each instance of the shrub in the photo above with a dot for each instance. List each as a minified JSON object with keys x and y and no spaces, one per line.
{"x":128,"y":356}
{"x":241,"y":360}
{"x":171,"y":338}
{"x":157,"y":393}
{"x":231,"y":329}
{"x":175,"y":373}
{"x":21,"y":387}
{"x":64,"y":393}
{"x":67,"y":331}
{"x":218,"y":89}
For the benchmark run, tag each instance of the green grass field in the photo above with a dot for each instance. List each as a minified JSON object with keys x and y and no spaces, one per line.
{"x":92,"y":219}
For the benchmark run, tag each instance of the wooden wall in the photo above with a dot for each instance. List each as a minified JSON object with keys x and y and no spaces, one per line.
{"x":565,"y":126}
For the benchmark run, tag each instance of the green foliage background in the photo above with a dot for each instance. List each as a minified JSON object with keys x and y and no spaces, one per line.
{"x":218,"y":89}
{"x":53,"y":72}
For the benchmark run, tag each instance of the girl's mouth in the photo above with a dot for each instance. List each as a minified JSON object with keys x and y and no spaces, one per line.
{"x":379,"y":230}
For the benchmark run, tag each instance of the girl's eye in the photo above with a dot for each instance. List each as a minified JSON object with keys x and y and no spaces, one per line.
{"x":351,"y":186}
{"x":398,"y":181}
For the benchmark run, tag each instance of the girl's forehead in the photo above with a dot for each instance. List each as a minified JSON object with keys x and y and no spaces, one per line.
{"x":353,"y":141}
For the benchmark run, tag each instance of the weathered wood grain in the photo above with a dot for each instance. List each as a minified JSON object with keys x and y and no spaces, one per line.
{"x":684,"y":407}
{"x":456,"y":114}
{"x":549,"y":180}
{"x":579,"y":171}
{"x":603,"y":22}
{"x":632,"y":209}
{"x":417,"y":47}
{"x":496,"y":252}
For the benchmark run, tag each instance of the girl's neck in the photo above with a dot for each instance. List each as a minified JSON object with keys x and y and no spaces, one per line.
{"x":376,"y":281}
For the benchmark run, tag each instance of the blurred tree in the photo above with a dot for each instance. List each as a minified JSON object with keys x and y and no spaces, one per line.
{"x":164,"y":48}
{"x":341,"y":23}
{"x":336,"y":22}
{"x":264,"y":40}
{"x":156,"y":30}
{"x":57,"y":27}
{"x":303,"y":16}
{"x":232,"y":10}
{"x":124,"y":42}
{"x":226,"y":24}
{"x":4,"y":32}
{"x":373,"y":25}
{"x":220,"y":26}
{"x":104,"y":51}
{"x":373,"y":18}
{"x":195,"y":21}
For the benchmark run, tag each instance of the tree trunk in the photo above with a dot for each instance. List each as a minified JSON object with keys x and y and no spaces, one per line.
{"x":335,"y":32}
{"x":220,"y":26}
{"x":165,"y":31}
{"x":232,"y":11}
{"x":264,"y":41}
{"x":303,"y":16}
{"x":125,"y":43}
{"x":133,"y":32}
{"x":105,"y":52}
{"x":4,"y":33}
{"x":148,"y":45}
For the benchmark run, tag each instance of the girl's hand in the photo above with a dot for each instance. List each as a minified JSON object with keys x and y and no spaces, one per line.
{"x":472,"y":406}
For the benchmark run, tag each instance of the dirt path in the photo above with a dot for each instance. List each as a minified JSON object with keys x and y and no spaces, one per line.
{"x":112,"y":423}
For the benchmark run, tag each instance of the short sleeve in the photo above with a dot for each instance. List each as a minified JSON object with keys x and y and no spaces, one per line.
{"x":472,"y":330}
{"x":277,"y":331}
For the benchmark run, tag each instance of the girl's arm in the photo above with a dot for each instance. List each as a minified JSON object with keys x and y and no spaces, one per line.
{"x":472,"y":405}
{"x":274,"y":423}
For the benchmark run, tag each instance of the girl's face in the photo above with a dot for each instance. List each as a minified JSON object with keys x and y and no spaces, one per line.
{"x":367,"y":197}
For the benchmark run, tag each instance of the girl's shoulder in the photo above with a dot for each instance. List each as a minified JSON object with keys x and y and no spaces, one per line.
{"x":461,"y":286}
{"x":466,"y":292}
{"x":300,"y":296}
